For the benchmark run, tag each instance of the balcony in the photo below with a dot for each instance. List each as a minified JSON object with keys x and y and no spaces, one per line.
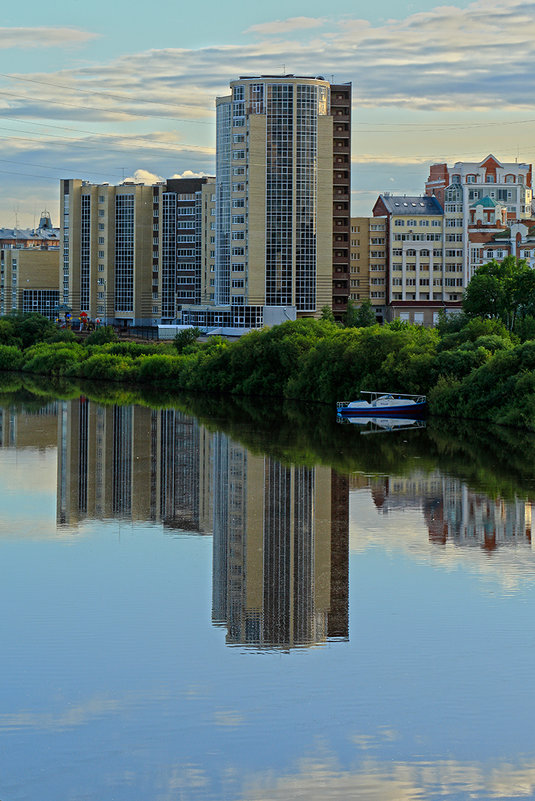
{"x":340,"y":291}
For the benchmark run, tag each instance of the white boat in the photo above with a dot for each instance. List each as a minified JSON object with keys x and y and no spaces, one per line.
{"x":383,"y":404}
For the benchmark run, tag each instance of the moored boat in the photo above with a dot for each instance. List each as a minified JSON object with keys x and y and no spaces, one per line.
{"x":384,"y":404}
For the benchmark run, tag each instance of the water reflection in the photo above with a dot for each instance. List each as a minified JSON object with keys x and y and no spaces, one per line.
{"x":132,"y":463}
{"x":453,"y":512}
{"x":281,"y":536}
{"x":112,"y":668}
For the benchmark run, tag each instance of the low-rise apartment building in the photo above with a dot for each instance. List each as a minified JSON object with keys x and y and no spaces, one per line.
{"x":368,"y":263}
{"x":29,"y":281}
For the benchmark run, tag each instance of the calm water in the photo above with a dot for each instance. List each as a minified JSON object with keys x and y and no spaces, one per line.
{"x":243,"y":605}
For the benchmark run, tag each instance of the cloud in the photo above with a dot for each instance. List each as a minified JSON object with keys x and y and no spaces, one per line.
{"x":428,"y":61}
{"x":403,"y":781}
{"x":43,"y":37}
{"x":144,"y":177}
{"x":286,"y":25}
{"x":189,"y":174}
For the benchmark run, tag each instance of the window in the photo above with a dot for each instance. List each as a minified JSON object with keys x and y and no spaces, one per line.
{"x":238,"y":235}
{"x":238,"y":219}
{"x":238,"y":187}
{"x":238,"y":267}
{"x":238,"y":283}
{"x":238,"y":154}
{"x":238,"y":251}
{"x":238,"y":171}
{"x":490,"y":179}
{"x":101,"y":268}
{"x":101,"y":254}
{"x":424,"y":223}
{"x":101,"y":198}
{"x":238,"y":138}
{"x":101,"y":226}
{"x":101,"y":240}
{"x":435,"y":223}
{"x":399,"y":222}
{"x":238,"y":203}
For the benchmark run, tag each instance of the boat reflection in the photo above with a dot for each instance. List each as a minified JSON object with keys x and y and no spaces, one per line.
{"x":376,"y":425}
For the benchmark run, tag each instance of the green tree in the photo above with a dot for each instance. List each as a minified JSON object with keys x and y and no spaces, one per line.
{"x":365,"y":315}
{"x":501,"y":290}
{"x":350,"y":317}
{"x":186,"y":337}
{"x":327,"y":314}
{"x":359,"y":316}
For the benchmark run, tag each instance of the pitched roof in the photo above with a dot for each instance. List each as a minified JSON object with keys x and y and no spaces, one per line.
{"x":486,"y":202}
{"x":411,"y":205}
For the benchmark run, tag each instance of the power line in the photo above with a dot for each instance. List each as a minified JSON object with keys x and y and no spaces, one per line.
{"x":107,"y":110}
{"x":97,"y":92}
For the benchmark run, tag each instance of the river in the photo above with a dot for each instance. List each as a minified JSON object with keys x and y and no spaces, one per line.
{"x":237,"y":602}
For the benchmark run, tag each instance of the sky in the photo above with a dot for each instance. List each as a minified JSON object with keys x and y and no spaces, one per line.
{"x":115,"y":93}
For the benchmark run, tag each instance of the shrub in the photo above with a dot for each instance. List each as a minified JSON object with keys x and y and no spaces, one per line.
{"x":105,"y":366}
{"x":157,"y":367}
{"x":100,"y":336}
{"x":186,"y":337}
{"x":55,"y":358}
{"x":11,"y":358}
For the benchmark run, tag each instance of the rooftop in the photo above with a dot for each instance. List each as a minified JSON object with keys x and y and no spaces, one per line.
{"x":411,"y":205}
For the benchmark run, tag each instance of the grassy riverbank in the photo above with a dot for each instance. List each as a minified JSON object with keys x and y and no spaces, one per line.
{"x":475,"y":370}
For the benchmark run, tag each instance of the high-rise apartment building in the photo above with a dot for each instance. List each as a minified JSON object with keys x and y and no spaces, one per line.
{"x":341,"y":114}
{"x":134,"y":254}
{"x":282,"y":169}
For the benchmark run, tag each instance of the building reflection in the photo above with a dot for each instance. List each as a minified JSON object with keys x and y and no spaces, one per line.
{"x":29,"y":428}
{"x":453,"y":512}
{"x":280,"y":568}
{"x":131,"y":463}
{"x":280,"y":533}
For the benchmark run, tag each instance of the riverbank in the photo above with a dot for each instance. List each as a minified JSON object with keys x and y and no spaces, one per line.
{"x":479,"y":371}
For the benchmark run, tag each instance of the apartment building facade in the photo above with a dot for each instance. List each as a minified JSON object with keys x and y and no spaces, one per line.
{"x":275,"y":168}
{"x":29,"y":281}
{"x":341,"y":99}
{"x":368,"y":263}
{"x":424,"y":272}
{"x":133,"y":254}
{"x":480,"y":200}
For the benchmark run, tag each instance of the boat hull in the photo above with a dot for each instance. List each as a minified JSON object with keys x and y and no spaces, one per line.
{"x":413,"y":410}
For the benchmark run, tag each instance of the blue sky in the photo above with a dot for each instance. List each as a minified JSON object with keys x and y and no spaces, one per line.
{"x":119,"y":93}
